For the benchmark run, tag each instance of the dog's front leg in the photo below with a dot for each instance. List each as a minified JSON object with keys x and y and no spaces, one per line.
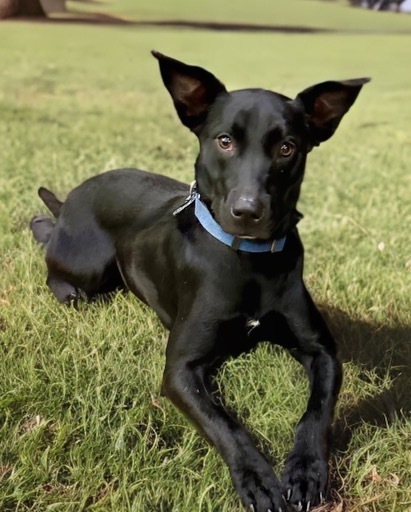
{"x":306,"y":471}
{"x":192,"y":352}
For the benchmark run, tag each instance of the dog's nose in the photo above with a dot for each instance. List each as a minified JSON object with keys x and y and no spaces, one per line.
{"x":247,"y":209}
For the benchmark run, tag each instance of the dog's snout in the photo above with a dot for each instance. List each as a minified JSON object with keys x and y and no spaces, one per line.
{"x":246,"y":213}
{"x":247,"y":209}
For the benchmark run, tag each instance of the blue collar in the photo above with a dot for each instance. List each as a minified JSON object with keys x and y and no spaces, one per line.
{"x":211,"y":226}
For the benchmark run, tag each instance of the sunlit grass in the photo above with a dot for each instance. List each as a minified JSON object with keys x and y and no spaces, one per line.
{"x":82,"y":425}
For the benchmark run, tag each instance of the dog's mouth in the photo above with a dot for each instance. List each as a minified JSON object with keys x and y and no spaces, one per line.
{"x":266,"y":231}
{"x":252,"y":231}
{"x":262,"y":231}
{"x":260,"y":234}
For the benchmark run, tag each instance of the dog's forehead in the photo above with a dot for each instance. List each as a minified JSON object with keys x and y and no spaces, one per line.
{"x":253,"y":109}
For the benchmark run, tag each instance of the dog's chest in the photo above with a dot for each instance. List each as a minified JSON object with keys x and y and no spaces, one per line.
{"x":259,"y":296}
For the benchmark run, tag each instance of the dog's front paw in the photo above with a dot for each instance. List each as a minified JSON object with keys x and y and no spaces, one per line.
{"x":304,"y":480}
{"x":258,"y":488}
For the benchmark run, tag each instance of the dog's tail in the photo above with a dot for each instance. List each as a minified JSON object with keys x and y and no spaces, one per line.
{"x":51,"y":201}
{"x":41,"y":225}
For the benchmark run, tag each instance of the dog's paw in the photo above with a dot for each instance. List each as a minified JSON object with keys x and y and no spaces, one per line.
{"x":75,"y":297}
{"x":304,"y":480}
{"x":258,"y":488}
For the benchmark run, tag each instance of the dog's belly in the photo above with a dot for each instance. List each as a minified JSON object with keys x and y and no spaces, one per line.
{"x":139,"y":283}
{"x":145,"y":266}
{"x":143,"y":287}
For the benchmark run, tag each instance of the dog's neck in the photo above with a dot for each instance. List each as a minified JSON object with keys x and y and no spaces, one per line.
{"x":208,"y":222}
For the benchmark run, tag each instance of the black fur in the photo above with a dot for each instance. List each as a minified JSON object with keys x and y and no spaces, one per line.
{"x":117,"y":230}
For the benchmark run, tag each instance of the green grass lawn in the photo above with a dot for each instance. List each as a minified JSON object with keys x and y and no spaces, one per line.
{"x":82,"y":424}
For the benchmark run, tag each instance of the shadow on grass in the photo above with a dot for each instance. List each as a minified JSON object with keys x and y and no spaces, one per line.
{"x":386,"y":349}
{"x":94,"y":2}
{"x":100,"y":18}
{"x":79,"y":17}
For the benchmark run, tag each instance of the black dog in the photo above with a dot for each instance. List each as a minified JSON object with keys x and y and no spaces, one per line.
{"x":225,"y":271}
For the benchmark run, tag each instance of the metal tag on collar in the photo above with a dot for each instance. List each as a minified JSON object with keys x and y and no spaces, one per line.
{"x":235,"y":244}
{"x":189,"y":200}
{"x":278,"y":244}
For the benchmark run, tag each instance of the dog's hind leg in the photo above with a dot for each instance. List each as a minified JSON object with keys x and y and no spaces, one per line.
{"x":41,"y":227}
{"x":64,"y":292}
{"x":81,"y":261}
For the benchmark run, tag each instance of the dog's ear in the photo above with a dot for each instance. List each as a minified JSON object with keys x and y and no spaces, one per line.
{"x":326,"y":103}
{"x":193,"y":89}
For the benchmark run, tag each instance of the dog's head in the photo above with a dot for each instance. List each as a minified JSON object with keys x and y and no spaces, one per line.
{"x":253,"y":144}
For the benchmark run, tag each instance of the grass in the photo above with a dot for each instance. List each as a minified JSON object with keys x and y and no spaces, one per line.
{"x":82,"y":425}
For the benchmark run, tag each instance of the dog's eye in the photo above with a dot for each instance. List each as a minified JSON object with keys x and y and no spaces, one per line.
{"x":287,"y":149}
{"x":225,"y":142}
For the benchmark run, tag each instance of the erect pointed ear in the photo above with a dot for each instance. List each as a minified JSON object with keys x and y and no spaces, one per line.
{"x":192,"y":89}
{"x":326,"y":103}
